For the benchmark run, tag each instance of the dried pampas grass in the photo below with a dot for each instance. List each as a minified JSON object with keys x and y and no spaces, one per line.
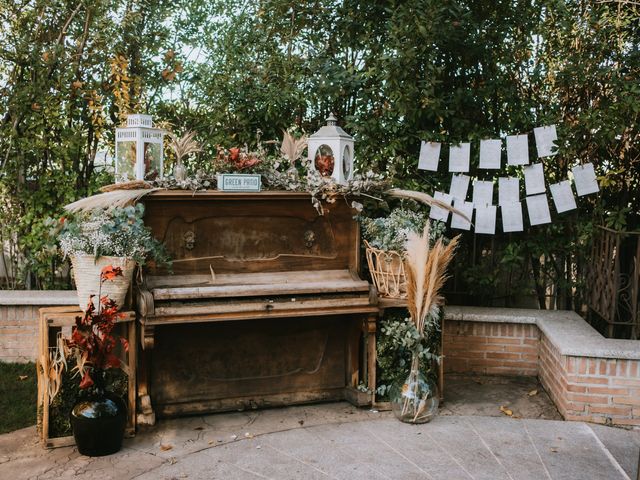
{"x":291,"y":148}
{"x":184,"y":145}
{"x":114,"y":198}
{"x":132,"y":185}
{"x":424,"y":198}
{"x":426,"y":269}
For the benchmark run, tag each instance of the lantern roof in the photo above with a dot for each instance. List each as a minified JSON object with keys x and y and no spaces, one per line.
{"x":330,"y":131}
{"x":139,"y":120}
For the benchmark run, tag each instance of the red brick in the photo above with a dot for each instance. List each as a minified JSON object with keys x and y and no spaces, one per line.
{"x":577,"y":388}
{"x":577,"y":397}
{"x":626,"y":382}
{"x":503,"y":355}
{"x":593,"y":380}
{"x":609,"y":390}
{"x":610,"y":410}
{"x":627,"y":400}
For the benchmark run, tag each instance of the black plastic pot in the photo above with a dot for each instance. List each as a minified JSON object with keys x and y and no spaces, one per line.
{"x":98,"y":425}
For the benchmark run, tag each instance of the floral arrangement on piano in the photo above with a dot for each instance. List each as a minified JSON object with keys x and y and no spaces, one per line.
{"x":282,"y":166}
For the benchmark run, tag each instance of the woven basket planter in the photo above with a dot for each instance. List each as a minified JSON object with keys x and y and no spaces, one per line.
{"x":387,"y":272}
{"x":86,"y":272}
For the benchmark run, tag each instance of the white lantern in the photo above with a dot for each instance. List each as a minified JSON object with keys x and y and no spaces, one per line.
{"x":139,"y":152}
{"x":331,"y":151}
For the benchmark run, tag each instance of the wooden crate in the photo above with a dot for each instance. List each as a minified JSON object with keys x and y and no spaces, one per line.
{"x":53,"y":320}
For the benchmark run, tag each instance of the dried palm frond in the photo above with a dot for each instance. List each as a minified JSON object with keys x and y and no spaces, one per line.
{"x":132,"y":185}
{"x":426,"y":274}
{"x":291,"y":148}
{"x":184,"y":145}
{"x":424,"y":198}
{"x":115,"y":198}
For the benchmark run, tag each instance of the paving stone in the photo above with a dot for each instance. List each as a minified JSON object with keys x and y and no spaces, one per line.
{"x":570,"y":451}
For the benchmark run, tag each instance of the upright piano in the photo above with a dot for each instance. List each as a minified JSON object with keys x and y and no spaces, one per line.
{"x":264,"y":306}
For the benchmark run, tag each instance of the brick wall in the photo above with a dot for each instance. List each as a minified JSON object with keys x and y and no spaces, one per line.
{"x":19,"y":313}
{"x":490,"y":348}
{"x":583,"y":387}
{"x":591,"y":389}
{"x":18,"y":333}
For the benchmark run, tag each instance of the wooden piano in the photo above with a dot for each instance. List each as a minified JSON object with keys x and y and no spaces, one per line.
{"x":264,"y":307}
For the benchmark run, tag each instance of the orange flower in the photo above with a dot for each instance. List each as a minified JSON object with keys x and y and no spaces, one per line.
{"x":234,"y":153}
{"x":110,"y":272}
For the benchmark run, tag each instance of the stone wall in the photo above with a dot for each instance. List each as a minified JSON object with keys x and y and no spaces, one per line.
{"x":19,"y":321}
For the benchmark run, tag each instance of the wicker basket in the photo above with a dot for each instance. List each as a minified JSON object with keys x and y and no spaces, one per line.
{"x":387,"y":271}
{"x":86,"y":272}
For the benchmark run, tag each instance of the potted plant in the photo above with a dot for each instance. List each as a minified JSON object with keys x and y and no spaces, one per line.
{"x":115,"y":236}
{"x":416,"y":399}
{"x":98,"y":417}
{"x":385,"y":239}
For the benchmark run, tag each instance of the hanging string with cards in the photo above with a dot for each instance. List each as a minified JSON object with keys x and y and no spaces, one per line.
{"x":509,"y":201}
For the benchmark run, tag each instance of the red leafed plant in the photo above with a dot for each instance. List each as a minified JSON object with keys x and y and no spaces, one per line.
{"x":93,"y":342}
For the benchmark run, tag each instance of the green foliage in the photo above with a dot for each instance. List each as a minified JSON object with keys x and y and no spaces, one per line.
{"x":390,"y":232}
{"x":396,"y":342}
{"x":227,"y":69}
{"x":18,"y":390}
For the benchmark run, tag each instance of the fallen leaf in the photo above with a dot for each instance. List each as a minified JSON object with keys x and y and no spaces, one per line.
{"x":210,"y":442}
{"x":301,"y":422}
{"x":506,"y":411}
{"x":165,"y":447}
{"x":554,"y":449}
{"x":199,"y":428}
{"x":248,"y":435}
{"x":532,"y":393}
{"x":23,"y":377}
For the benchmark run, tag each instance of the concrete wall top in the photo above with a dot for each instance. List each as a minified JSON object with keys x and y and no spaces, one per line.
{"x":38,"y":297}
{"x":565,"y":329}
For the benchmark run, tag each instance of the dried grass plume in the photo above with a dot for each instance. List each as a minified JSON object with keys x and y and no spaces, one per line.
{"x":291,"y":148}
{"x":426,"y":269}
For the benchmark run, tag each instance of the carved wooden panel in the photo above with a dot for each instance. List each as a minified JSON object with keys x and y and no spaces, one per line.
{"x":237,"y":233}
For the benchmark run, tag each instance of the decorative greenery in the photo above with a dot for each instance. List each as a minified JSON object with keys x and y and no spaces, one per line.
{"x":397,"y":340}
{"x":471,"y":70}
{"x":118,"y":232}
{"x":390,"y":232}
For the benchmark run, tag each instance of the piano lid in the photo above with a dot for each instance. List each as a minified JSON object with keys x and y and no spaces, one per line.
{"x":184,"y":287}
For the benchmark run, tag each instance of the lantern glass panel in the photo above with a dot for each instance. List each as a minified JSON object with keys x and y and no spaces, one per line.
{"x":126,"y":160}
{"x":152,"y":160}
{"x":324,"y":160}
{"x":346,"y":162}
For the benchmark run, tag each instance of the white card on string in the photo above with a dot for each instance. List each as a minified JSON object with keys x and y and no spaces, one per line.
{"x":459,"y":186}
{"x":458,"y":221}
{"x":563,"y":196}
{"x":512,"y":217}
{"x":585,"y":179}
{"x":538,"y":209}
{"x":439,"y":213}
{"x":508,"y":190}
{"x":485,"y":219}
{"x":534,"y":179}
{"x":482,"y":193}
{"x":490,"y":154}
{"x":459,"y":156}
{"x":546,"y":138}
{"x":517,"y":150}
{"x":429,"y":156}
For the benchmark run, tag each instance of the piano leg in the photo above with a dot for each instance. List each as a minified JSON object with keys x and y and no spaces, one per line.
{"x":371,"y":355}
{"x":146,"y":415}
